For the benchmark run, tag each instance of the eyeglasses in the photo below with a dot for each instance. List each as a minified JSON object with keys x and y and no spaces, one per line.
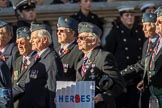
{"x":83,"y":38}
{"x":61,"y":31}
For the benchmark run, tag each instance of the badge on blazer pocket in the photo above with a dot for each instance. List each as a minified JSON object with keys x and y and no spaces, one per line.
{"x":92,"y":72}
{"x":15,"y":74}
{"x":34,"y":74}
{"x":66,"y":66}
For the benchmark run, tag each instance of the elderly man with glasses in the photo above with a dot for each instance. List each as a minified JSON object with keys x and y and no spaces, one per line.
{"x":98,"y":65}
{"x":67,"y":31}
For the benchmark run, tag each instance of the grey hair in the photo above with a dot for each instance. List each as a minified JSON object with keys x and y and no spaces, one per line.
{"x":44,"y":33}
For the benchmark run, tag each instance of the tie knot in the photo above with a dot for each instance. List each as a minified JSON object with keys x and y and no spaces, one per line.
{"x":37,"y":57}
{"x":0,"y":52}
{"x":85,"y":58}
{"x":25,"y":59}
{"x":61,"y":51}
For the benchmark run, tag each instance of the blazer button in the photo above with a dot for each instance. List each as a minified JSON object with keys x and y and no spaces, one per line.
{"x":149,"y":74}
{"x":124,"y":40}
{"x":122,"y":31}
{"x":139,"y":39}
{"x":126,"y":48}
{"x":127,"y":57}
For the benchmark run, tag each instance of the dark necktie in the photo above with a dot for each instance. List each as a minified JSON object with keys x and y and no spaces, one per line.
{"x":61,"y":51}
{"x":84,"y":64}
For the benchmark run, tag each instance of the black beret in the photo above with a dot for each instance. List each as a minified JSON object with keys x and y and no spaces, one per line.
{"x":89,"y":27}
{"x":2,"y":23}
{"x":67,"y":22}
{"x":23,"y":32}
{"x":149,"y":17}
{"x":25,"y":4}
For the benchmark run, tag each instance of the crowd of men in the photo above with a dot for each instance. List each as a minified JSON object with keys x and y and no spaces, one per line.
{"x":126,"y":69}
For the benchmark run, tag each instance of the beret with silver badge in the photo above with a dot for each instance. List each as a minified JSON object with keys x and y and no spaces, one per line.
{"x":149,"y":17}
{"x":23,"y":32}
{"x":89,"y":27}
{"x":67,"y":22}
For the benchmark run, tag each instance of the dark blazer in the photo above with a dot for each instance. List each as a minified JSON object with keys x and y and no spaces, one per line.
{"x":70,"y":60}
{"x":19,"y":77}
{"x":136,"y":70}
{"x":155,"y":75}
{"x":125,"y":44}
{"x":5,"y":83}
{"x":152,"y":76}
{"x":10,"y":55}
{"x":102,"y":63}
{"x":40,"y":83}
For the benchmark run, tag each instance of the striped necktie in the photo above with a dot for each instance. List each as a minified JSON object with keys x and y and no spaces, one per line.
{"x":150,"y":47}
{"x":84,"y":64}
{"x":155,"y":51}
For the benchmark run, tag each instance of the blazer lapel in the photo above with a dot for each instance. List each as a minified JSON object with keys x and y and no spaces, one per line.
{"x":158,"y":54}
{"x":79,"y":66}
{"x":158,"y":60}
{"x":70,"y":47}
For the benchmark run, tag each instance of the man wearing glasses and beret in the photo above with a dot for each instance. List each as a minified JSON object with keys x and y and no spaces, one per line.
{"x":67,"y":32}
{"x":99,"y":66}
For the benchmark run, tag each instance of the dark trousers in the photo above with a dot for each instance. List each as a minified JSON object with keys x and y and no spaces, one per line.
{"x":129,"y":99}
{"x":144,"y":99}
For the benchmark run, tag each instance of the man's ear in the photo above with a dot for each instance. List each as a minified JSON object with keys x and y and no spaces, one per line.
{"x":45,"y":39}
{"x":93,"y":41}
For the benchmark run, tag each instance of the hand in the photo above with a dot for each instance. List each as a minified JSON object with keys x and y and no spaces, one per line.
{"x":98,"y":98}
{"x":140,"y":86}
{"x":55,"y":101}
